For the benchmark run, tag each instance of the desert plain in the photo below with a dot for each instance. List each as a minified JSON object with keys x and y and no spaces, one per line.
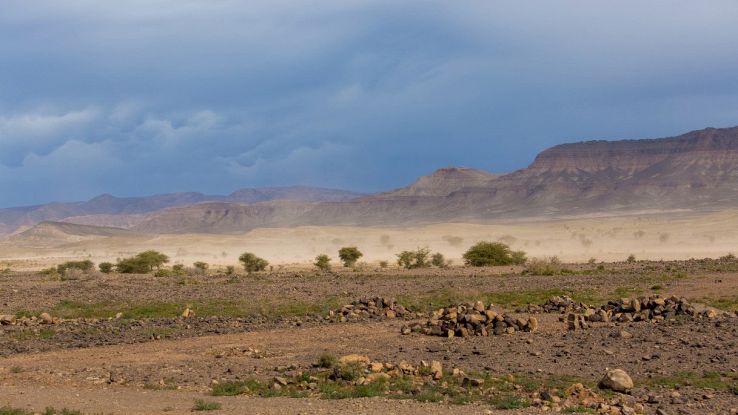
{"x":295,"y":339}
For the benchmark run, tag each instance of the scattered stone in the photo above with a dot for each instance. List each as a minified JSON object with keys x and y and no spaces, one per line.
{"x":354,"y":358}
{"x":371,"y":308}
{"x":576,"y":322}
{"x":46,"y":318}
{"x":436,"y":369}
{"x":617,"y":380}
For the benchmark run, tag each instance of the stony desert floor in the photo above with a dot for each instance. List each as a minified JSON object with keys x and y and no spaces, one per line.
{"x":268,"y":342}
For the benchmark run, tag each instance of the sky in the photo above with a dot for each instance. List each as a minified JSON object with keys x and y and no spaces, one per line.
{"x":155,"y":96}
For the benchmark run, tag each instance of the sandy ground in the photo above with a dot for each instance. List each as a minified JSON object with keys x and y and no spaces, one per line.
{"x":651,"y":236}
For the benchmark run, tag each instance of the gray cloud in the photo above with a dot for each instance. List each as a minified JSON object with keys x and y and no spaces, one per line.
{"x":169,"y":95}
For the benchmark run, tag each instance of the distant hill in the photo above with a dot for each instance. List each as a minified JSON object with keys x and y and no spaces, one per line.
{"x":67,"y":232}
{"x":443,"y":182}
{"x":102,"y":209}
{"x":694,"y":171}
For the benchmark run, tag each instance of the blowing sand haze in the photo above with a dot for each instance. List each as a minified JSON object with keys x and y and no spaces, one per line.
{"x":368,"y":208}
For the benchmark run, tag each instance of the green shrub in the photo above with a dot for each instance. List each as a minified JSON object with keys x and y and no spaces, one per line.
{"x":142,"y":263}
{"x":202,"y":405}
{"x":414,"y":259}
{"x":105,"y":267}
{"x":201,"y":266}
{"x":252,"y":263}
{"x":349,"y":255}
{"x":84,"y":266}
{"x":327,"y":360}
{"x":164,"y":273}
{"x":349,"y":372}
{"x":492,"y":253}
{"x":383,"y":264}
{"x":230,"y":270}
{"x":323,"y":262}
{"x":631,"y":259}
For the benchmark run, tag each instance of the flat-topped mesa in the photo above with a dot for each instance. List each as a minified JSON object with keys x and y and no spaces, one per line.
{"x":716,"y":146}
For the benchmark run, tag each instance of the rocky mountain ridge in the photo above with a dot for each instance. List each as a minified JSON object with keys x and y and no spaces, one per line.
{"x":694,"y":171}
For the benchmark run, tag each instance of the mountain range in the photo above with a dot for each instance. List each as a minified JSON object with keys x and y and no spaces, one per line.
{"x":694,"y":171}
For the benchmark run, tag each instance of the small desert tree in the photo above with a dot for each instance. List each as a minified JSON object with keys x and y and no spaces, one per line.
{"x":105,"y":267}
{"x":201,"y":266}
{"x":323,"y":262}
{"x":349,"y":255}
{"x":413,"y":259}
{"x":492,"y":253}
{"x":252,"y":263}
{"x":142,"y":263}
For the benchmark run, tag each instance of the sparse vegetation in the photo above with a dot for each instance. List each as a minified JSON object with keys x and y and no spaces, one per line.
{"x":230,"y":270}
{"x":492,"y":253}
{"x":631,"y":259}
{"x":83,"y":266}
{"x":438,"y":260}
{"x":349,"y":255}
{"x":201,"y":266}
{"x":323,"y":262}
{"x":414,"y":259}
{"x":544,"y":266}
{"x":143,"y":263}
{"x":105,"y":267}
{"x":252,"y":263}
{"x":203,"y":405}
{"x":327,"y":360}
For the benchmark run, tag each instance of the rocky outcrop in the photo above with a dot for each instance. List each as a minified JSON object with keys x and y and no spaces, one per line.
{"x":443,"y":182}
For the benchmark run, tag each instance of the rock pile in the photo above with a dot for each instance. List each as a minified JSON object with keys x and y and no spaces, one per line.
{"x":556,"y":304}
{"x":579,"y":398}
{"x":43,"y":318}
{"x":472,"y":320}
{"x":377,"y":307}
{"x":653,"y":308}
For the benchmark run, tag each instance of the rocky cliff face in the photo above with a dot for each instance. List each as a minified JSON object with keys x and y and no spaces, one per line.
{"x":711,"y":148}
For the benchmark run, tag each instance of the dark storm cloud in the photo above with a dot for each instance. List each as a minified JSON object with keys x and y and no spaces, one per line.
{"x":155,"y":96}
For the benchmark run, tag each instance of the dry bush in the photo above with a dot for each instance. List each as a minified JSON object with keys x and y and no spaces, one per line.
{"x":544,"y":266}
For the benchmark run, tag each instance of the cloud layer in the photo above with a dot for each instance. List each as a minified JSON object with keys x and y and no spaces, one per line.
{"x":169,"y":95}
